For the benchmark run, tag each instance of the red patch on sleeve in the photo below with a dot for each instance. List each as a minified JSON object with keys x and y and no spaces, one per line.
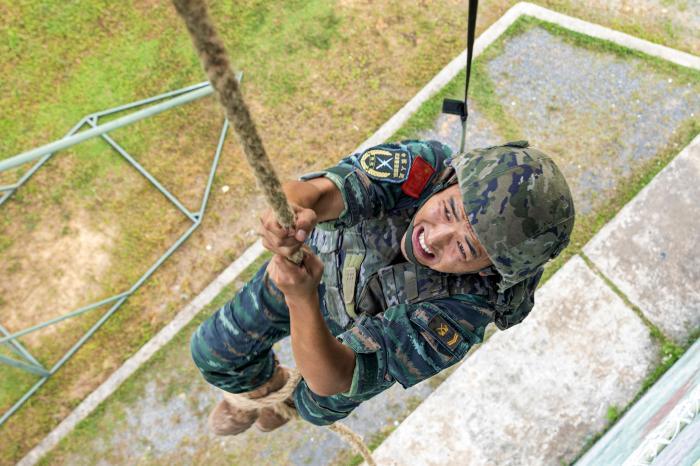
{"x":418,"y":177}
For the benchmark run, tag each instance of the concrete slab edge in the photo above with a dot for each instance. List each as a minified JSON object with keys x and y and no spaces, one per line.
{"x":448,"y":73}
{"x":670,"y":405}
{"x":604,"y":33}
{"x":605,"y":230}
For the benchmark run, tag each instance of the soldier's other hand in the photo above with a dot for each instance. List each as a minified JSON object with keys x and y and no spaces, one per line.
{"x":298,"y":282}
{"x":286,"y":241}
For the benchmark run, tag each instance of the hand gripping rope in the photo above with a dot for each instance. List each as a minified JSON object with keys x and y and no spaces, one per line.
{"x":218,"y":68}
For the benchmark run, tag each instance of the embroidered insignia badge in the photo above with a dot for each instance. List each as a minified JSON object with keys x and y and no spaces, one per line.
{"x":418,"y":177}
{"x":445,"y":332}
{"x":390,"y":165}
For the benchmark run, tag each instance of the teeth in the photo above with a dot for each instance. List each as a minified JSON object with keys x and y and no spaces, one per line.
{"x":421,"y":240}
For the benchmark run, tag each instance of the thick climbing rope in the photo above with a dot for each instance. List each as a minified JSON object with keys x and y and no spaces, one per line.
{"x":276,"y":401}
{"x":218,"y":68}
{"x":216,"y":64}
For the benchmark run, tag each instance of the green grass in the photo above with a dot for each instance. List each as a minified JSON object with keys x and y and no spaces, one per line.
{"x":128,"y":56}
{"x":612,"y":414}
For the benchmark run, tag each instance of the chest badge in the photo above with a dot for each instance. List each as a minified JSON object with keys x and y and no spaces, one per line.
{"x":444,"y":332}
{"x":386,"y":165}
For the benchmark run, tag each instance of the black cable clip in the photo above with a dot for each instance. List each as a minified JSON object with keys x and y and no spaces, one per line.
{"x":454,"y":107}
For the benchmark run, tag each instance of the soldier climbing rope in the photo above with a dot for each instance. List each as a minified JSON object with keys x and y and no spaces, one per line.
{"x":216,"y":64}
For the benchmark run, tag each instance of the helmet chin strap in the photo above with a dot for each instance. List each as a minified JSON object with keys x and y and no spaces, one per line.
{"x":409,"y":244}
{"x":447,"y":179}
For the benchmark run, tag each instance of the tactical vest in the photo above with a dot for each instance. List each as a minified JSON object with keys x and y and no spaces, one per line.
{"x":362,"y":274}
{"x":359,"y":276}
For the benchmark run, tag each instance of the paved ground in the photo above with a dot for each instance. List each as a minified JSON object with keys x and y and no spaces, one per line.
{"x":650,"y":251}
{"x":158,"y":418}
{"x":599,"y":115}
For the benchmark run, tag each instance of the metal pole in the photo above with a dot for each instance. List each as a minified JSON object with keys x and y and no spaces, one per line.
{"x":23,"y":400}
{"x":29,"y":173}
{"x":82,"y":310}
{"x":24,"y":366}
{"x":156,"y":98}
{"x":212,"y":171}
{"x":171,"y":197}
{"x":19,"y":348}
{"x":101,"y":129}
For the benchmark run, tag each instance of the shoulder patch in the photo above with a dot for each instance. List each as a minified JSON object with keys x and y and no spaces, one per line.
{"x":445,"y":332}
{"x":386,"y":164}
{"x":418,"y":177}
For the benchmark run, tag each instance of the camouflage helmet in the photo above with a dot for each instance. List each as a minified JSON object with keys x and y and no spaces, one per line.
{"x":519,"y":206}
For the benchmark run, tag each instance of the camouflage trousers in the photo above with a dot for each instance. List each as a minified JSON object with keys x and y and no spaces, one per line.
{"x":233,"y":349}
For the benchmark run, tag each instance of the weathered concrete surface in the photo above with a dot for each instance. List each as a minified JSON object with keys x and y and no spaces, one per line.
{"x":448,"y":130}
{"x":600,"y":116}
{"x":650,"y":249}
{"x":534,"y":394}
{"x":654,"y":416}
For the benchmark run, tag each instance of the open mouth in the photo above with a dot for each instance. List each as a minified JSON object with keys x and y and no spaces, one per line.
{"x":420,"y":247}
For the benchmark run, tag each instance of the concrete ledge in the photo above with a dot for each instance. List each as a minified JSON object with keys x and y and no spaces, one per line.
{"x":656,"y":420}
{"x":650,"y":249}
{"x":617,"y":37}
{"x":535,"y":393}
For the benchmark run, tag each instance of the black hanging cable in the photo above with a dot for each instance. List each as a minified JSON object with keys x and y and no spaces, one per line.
{"x":458,"y":107}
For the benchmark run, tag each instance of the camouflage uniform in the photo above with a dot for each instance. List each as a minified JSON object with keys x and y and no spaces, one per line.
{"x":405,"y":322}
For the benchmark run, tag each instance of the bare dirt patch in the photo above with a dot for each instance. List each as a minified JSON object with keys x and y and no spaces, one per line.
{"x":58,"y":266}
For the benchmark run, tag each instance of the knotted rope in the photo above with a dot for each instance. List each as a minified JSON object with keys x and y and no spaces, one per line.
{"x":215,"y":62}
{"x":276,"y":401}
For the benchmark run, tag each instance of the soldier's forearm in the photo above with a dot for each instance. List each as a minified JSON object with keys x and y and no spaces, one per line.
{"x":326,"y":364}
{"x":318,"y":194}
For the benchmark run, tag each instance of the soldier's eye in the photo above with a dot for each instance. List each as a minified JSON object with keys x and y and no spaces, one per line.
{"x":461,"y":249}
{"x":447,"y":213}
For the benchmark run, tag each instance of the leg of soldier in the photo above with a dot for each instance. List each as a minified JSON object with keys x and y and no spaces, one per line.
{"x":233,"y":349}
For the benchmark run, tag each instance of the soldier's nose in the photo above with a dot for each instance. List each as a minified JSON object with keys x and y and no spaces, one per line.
{"x":439,"y":236}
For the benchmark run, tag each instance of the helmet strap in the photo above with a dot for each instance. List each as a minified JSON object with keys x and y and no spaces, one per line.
{"x":409,"y":244}
{"x":446,"y":179}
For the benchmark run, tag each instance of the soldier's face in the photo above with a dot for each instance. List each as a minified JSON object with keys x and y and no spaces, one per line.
{"x":442,"y":237}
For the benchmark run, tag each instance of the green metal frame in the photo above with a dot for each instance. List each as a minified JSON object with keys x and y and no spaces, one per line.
{"x":156,"y":105}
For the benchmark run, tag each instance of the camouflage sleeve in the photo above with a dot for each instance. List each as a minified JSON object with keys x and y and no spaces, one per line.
{"x":359,"y":177}
{"x":412,"y":342}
